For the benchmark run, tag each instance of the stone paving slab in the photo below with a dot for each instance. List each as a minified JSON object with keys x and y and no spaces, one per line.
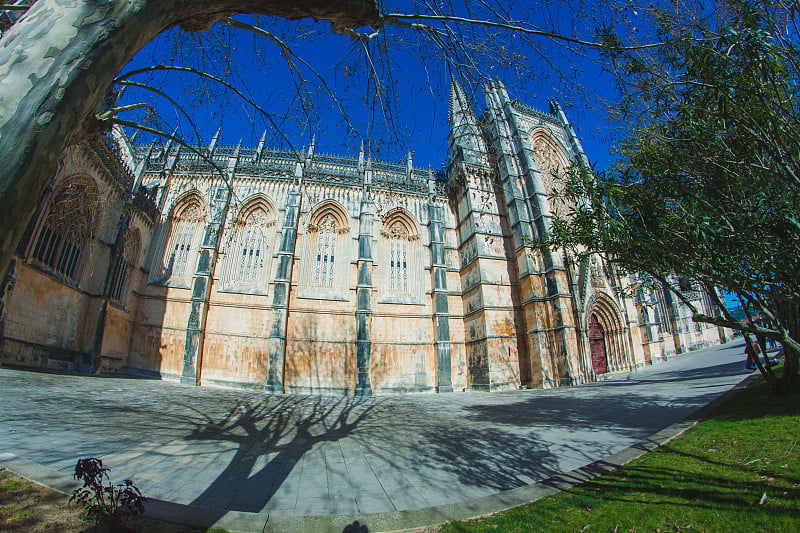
{"x":248,"y":458}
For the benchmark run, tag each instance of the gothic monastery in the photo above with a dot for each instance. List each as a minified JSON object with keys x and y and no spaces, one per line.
{"x":309,"y":273}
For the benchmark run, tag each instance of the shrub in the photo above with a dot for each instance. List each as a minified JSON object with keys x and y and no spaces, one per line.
{"x":109,"y":505}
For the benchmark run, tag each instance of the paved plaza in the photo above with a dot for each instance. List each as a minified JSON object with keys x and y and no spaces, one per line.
{"x":226,"y":451}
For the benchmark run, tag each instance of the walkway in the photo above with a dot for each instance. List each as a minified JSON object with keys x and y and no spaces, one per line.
{"x":232,"y":453}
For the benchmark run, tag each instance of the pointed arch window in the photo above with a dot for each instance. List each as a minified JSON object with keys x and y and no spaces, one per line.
{"x":122,"y":273}
{"x":324,"y":268}
{"x":325,"y":261}
{"x":400,"y":261}
{"x":65,"y":234}
{"x":179,"y":240}
{"x":251,"y":253}
{"x":398,"y":258}
{"x":182,"y":247}
{"x":552,"y":161}
{"x":247,"y":258}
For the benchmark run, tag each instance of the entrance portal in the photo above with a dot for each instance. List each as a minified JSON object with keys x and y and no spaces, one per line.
{"x":597,"y":346}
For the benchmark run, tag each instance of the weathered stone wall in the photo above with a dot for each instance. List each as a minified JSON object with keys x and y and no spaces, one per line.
{"x":52,"y":312}
{"x":43,"y":323}
{"x":322,"y":274}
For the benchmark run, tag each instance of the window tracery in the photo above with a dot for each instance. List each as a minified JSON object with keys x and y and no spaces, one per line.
{"x":179,"y":241}
{"x":66,"y":232}
{"x":552,"y":163}
{"x":398,"y":258}
{"x":325,"y":261}
{"x":184,"y":237}
{"x":247,"y":261}
{"x":326,"y":252}
{"x":123,"y":271}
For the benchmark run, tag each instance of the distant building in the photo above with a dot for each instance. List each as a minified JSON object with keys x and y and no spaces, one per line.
{"x":326,"y":274}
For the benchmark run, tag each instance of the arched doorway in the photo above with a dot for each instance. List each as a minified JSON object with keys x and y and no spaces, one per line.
{"x":597,"y":346}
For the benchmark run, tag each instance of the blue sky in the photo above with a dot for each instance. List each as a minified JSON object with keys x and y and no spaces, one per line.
{"x":410,"y":113}
{"x":412,"y":75}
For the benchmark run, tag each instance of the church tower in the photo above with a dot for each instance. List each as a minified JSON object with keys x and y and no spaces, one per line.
{"x":489,"y":287}
{"x":543,"y":290}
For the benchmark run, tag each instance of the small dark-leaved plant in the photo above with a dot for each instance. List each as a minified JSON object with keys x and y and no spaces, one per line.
{"x":107,"y":504}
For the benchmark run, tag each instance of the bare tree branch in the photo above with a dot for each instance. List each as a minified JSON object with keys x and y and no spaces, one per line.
{"x":144,"y":86}
{"x":268,"y":115}
{"x":181,"y":142}
{"x":398,"y":19}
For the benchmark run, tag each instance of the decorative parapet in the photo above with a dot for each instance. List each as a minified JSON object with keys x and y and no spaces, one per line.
{"x":143,"y":202}
{"x":280,"y":165}
{"x":541,"y":115}
{"x":109,"y":154}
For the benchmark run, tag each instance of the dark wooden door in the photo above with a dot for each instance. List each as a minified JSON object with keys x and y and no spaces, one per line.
{"x":597,"y":346}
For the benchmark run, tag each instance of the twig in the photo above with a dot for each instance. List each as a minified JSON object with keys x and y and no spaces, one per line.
{"x":218,"y":80}
{"x":183,"y":143}
{"x":397,"y":20}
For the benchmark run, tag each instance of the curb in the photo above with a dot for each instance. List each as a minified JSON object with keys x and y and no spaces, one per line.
{"x":396,"y":521}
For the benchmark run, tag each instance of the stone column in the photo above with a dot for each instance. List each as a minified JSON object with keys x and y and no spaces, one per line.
{"x":441,"y":311}
{"x":364,"y":288}
{"x":204,"y":273}
{"x":282,"y":285}
{"x":201,"y":288}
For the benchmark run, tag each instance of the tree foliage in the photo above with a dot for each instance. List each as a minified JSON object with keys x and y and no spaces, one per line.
{"x":706,"y":185}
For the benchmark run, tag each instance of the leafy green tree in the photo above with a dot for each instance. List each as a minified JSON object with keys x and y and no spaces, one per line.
{"x":707,"y":183}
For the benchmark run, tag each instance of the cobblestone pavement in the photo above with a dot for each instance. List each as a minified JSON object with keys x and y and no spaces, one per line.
{"x":304,"y":455}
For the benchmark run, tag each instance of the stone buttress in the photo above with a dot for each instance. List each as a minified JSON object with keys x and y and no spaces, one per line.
{"x":441,"y":310}
{"x":283,"y":282}
{"x":492,"y":349}
{"x":204,"y":273}
{"x":364,"y":288}
{"x":547,"y":302}
{"x":321,"y":273}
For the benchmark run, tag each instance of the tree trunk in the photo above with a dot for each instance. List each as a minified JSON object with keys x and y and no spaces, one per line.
{"x":775,"y":385}
{"x":60,"y":59}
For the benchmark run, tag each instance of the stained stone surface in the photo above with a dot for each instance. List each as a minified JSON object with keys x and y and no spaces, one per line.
{"x":314,"y":455}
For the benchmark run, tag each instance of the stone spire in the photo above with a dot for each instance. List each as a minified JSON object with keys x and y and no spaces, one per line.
{"x":233,"y":160}
{"x":260,"y":148}
{"x":311,"y":146}
{"x":138,"y":170}
{"x":465,"y":135}
{"x":213,"y":144}
{"x":168,"y":143}
{"x":555,"y":109}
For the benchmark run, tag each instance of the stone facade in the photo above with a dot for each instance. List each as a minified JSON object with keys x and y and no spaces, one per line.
{"x":313,"y":273}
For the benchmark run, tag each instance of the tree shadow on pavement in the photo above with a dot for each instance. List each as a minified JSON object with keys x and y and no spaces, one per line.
{"x":490,"y":458}
{"x":730,"y":369}
{"x":271,"y":436}
{"x":626,"y":415}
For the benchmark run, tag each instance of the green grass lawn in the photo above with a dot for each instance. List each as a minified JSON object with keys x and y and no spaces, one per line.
{"x":737,"y":470}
